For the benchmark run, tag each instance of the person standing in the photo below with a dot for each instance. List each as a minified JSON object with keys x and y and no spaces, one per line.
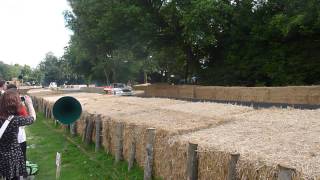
{"x":25,"y":110}
{"x":12,"y":164}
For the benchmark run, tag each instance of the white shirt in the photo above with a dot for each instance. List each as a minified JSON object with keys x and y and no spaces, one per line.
{"x":22,"y":135}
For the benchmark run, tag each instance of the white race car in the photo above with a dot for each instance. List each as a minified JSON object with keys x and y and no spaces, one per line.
{"x":119,"y":89}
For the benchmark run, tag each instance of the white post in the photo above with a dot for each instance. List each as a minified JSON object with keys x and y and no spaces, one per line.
{"x":58,"y":164}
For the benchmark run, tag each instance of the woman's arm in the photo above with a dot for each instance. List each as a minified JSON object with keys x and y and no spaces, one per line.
{"x":30,"y":107}
{"x":22,"y":121}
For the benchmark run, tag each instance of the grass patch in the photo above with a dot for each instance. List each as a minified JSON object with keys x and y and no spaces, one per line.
{"x":78,"y":161}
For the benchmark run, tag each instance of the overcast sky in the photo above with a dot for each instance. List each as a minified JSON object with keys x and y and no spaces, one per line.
{"x":31,"y":28}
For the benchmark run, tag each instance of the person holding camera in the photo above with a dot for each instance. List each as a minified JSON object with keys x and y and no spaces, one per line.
{"x":12,"y":163}
{"x":25,"y":110}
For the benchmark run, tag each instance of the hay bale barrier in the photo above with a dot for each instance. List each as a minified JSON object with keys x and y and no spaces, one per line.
{"x":233,"y":142}
{"x":305,"y":96}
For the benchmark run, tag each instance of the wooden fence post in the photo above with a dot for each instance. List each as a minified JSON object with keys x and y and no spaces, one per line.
{"x":58,"y":165}
{"x":73,"y":128}
{"x":285,"y":173}
{"x":107,"y":135}
{"x":148,"y":168}
{"x":132,"y":153}
{"x":89,"y":129}
{"x":232,"y":167}
{"x":41,"y":105}
{"x":98,"y":133}
{"x":192,"y":160}
{"x":84,"y":117}
{"x":46,"y":110}
{"x":119,"y":142}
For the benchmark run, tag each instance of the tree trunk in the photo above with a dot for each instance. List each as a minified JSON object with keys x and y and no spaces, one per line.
{"x":106,"y":75}
{"x":145,"y":75}
{"x":189,"y":59}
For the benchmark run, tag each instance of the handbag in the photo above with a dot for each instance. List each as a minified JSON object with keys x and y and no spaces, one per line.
{"x":5,"y":125}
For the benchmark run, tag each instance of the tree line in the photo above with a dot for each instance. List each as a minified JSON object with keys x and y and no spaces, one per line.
{"x":208,"y":42}
{"x":219,"y":42}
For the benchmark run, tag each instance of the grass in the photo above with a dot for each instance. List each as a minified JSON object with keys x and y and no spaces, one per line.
{"x":79,"y":162}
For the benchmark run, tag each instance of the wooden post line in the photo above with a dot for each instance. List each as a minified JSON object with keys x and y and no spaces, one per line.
{"x":148,"y":168}
{"x":192,"y":162}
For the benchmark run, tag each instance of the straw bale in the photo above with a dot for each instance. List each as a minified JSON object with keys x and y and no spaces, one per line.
{"x":288,"y":137}
{"x":131,"y":132}
{"x":204,"y":92}
{"x":314,"y":95}
{"x":212,"y":110}
{"x":186,"y":91}
{"x":213,"y":164}
{"x":145,"y":102}
{"x":264,"y":138}
{"x":170,"y":157}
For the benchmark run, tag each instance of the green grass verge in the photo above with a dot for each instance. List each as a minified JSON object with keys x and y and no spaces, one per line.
{"x":79,"y":162}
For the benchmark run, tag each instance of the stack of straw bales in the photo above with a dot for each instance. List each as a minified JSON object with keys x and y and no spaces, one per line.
{"x":263,"y":138}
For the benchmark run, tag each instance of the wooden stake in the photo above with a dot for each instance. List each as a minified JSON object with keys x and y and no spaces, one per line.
{"x":148,"y":168}
{"x":107,"y":135}
{"x":285,"y":173}
{"x":98,"y":133}
{"x":85,"y":128}
{"x":119,"y":142}
{"x":232,"y":167}
{"x":192,"y":162}
{"x":132,"y":153}
{"x":73,"y":129}
{"x":58,"y":164}
{"x":89,"y":130}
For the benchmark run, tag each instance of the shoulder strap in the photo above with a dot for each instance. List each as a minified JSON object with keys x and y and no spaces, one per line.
{"x":5,"y":125}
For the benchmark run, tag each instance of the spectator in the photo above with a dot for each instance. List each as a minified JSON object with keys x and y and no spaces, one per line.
{"x":12,"y":164}
{"x":22,"y":137}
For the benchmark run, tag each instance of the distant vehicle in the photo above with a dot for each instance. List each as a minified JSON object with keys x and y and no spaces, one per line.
{"x":53,"y":85}
{"x":119,"y":89}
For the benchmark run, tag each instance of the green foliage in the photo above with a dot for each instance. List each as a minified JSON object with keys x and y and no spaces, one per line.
{"x":7,"y":72}
{"x":223,"y":42}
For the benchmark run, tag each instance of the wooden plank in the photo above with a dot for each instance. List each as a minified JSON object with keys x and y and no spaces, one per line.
{"x":148,"y":168}
{"x":192,"y":162}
